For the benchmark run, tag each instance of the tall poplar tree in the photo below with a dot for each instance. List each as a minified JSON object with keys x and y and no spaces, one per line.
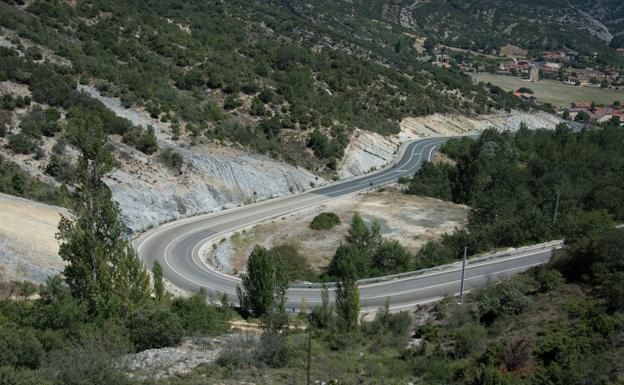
{"x":348,"y":298}
{"x":103,"y":269}
{"x":264,"y":285}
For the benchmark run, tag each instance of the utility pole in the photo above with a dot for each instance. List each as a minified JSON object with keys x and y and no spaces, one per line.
{"x":463,"y":276}
{"x":556,"y":208}
{"x":309,"y":345}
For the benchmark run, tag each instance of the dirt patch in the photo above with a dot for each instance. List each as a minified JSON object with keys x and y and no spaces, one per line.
{"x":15,"y":89}
{"x":411,"y":220}
{"x":28,"y":248}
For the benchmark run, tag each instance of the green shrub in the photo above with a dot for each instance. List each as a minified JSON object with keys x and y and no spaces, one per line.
{"x":170,"y":158}
{"x":15,"y":181}
{"x":22,"y":143}
{"x":61,"y":168}
{"x":550,"y":280}
{"x":470,"y":339}
{"x":324,"y":221}
{"x":41,"y":122}
{"x":93,"y":360}
{"x":513,"y":300}
{"x":198,"y":317}
{"x":142,"y":140}
{"x":391,"y":258}
{"x":10,"y":376}
{"x":154,"y":328}
{"x":274,"y":350}
{"x":295,"y":263}
{"x":19,"y":348}
{"x":231,"y":102}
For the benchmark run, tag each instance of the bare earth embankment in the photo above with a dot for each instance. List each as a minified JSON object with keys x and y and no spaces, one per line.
{"x":28,"y":248}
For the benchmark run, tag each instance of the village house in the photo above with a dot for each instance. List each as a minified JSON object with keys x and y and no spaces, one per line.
{"x":526,"y":96}
{"x":550,"y":68}
{"x":586,"y":76}
{"x":555,"y":55}
{"x":597,"y":114}
{"x":441,"y":64}
{"x":620,"y":51}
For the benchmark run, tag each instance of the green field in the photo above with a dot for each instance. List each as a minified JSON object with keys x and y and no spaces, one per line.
{"x":551,"y":91}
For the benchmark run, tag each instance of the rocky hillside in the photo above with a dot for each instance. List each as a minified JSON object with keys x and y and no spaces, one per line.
{"x":369,"y":151}
{"x":207,"y":177}
{"x":205,"y":105}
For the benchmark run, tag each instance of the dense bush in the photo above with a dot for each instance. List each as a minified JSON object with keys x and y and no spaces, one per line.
{"x":295,"y":264}
{"x":597,"y":259}
{"x":19,"y":348}
{"x":11,"y":376}
{"x":22,"y":143}
{"x":143,"y":140}
{"x":199,"y":318}
{"x":40,"y":122}
{"x":324,"y":221}
{"x":368,"y":254}
{"x":171,"y":159}
{"x":154,"y":328}
{"x":470,"y":339}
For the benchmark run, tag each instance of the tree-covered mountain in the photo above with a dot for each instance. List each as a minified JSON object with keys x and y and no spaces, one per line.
{"x":582,"y":25}
{"x":238,"y":72}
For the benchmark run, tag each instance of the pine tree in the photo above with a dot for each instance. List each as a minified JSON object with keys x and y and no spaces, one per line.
{"x":102,"y":268}
{"x":157,"y":276}
{"x":361,"y":236}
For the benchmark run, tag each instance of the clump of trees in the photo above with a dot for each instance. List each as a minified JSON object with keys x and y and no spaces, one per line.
{"x":105,"y":305}
{"x":366,"y":254}
{"x":511,"y":181}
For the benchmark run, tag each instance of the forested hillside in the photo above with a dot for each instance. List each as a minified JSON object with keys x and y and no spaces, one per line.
{"x":581,"y":25}
{"x":234,"y":72}
{"x":527,"y":187}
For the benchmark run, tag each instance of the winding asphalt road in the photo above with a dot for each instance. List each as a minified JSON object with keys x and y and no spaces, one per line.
{"x":177,"y":245}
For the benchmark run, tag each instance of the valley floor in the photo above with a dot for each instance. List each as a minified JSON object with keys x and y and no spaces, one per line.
{"x":554,"y":92}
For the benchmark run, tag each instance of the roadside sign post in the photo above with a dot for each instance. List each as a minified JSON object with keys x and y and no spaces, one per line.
{"x":463,"y":276}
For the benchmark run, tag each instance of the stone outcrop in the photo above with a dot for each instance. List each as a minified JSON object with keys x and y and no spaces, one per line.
{"x":212,"y":177}
{"x":372,"y":151}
